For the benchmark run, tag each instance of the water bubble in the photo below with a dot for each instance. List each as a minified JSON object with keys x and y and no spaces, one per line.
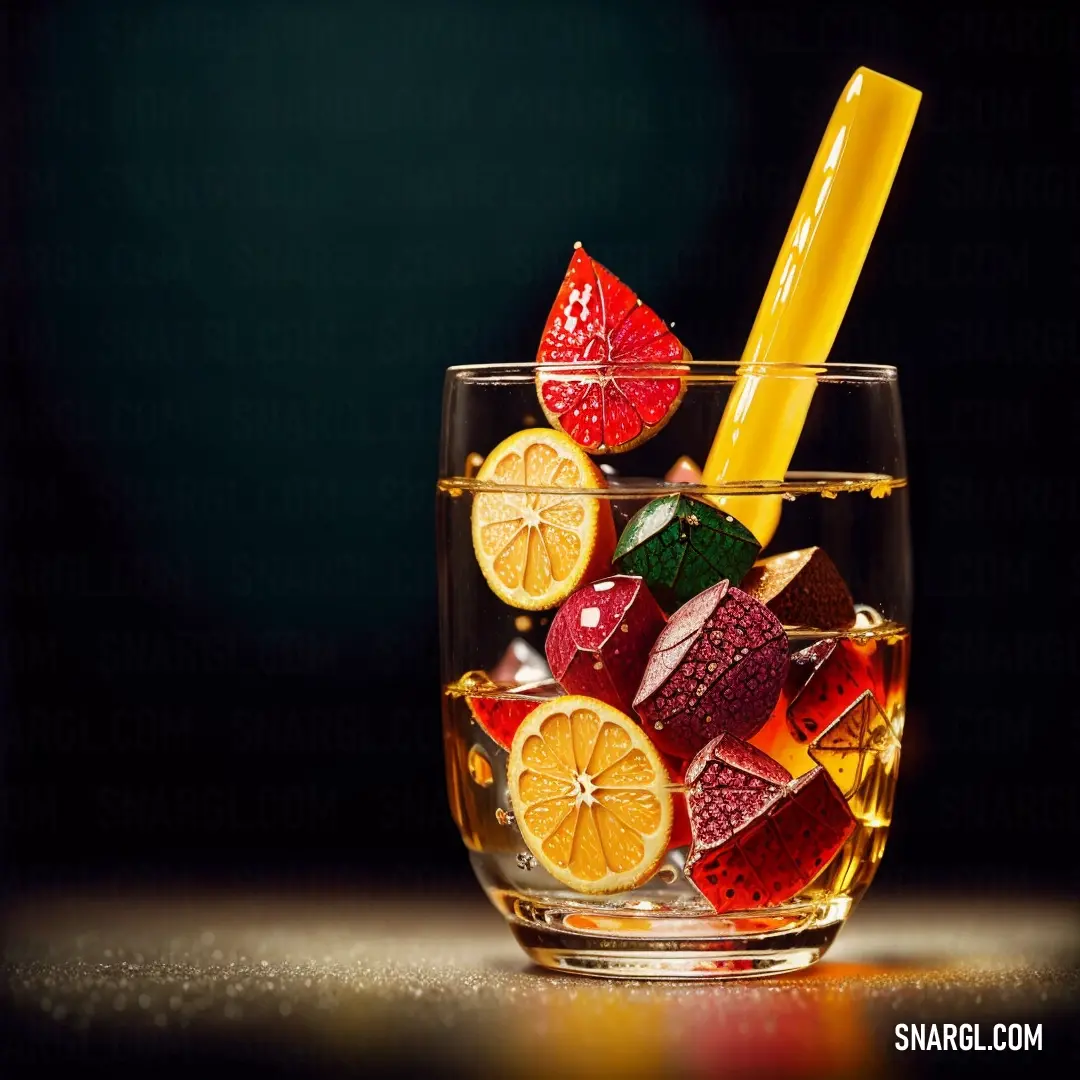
{"x":504,"y":817}
{"x":526,"y":861}
{"x":480,"y":767}
{"x":523,"y":624}
{"x":668,"y":875}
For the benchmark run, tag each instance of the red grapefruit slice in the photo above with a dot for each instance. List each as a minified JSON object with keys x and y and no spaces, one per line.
{"x":631,"y":378}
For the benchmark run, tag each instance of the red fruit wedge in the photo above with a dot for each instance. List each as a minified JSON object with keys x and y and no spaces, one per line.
{"x":600,"y":639}
{"x":775,"y":855}
{"x":631,"y":378}
{"x":500,"y":717}
{"x":729,"y":783}
{"x":824,"y":680}
{"x":719,"y":665}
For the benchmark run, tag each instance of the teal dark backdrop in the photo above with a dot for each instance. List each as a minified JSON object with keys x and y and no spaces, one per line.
{"x":242,"y":241}
{"x":263,"y":231}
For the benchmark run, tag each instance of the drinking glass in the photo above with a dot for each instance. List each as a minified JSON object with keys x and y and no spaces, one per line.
{"x":748,"y":861}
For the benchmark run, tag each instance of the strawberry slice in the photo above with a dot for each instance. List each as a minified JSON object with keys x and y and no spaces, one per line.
{"x":630,"y":381}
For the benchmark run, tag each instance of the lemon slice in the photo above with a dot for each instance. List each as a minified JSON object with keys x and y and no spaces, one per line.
{"x":535,"y":547}
{"x":590,"y":795}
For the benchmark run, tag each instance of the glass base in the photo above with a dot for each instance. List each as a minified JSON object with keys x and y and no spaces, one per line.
{"x":673,"y":947}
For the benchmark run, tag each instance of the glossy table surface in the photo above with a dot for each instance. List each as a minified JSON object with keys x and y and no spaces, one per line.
{"x":436,"y":985}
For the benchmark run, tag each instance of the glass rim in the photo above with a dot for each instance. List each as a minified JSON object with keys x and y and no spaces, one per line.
{"x":717,"y":371}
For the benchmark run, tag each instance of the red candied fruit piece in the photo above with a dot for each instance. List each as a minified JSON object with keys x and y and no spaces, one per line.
{"x":718,"y":666}
{"x":824,"y":680}
{"x":729,"y":783}
{"x":500,"y":717}
{"x":628,"y":386}
{"x":600,"y":638}
{"x":778,"y":853}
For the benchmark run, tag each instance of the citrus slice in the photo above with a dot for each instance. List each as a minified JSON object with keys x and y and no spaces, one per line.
{"x":590,"y":795}
{"x":537,"y":541}
{"x":631,"y":379}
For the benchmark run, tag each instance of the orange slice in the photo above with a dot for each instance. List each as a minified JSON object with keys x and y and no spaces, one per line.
{"x":541,"y":538}
{"x":590,"y":794}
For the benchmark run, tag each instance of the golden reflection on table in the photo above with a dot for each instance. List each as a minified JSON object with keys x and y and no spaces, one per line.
{"x":355,"y":978}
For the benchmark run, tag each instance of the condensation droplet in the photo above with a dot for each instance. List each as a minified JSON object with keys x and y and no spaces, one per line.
{"x":523,"y":623}
{"x":480,"y":767}
{"x":526,"y":861}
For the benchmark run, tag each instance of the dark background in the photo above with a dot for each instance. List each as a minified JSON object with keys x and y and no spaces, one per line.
{"x":240,"y":243}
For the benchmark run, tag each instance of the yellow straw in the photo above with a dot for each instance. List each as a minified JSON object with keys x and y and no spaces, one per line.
{"x":809,"y":291}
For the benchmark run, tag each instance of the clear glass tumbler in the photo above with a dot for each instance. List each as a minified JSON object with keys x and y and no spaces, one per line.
{"x":671,"y":751}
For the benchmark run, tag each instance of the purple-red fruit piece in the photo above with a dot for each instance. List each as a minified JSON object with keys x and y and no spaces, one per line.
{"x":729,"y":783}
{"x":718,"y":666}
{"x":802,"y":588}
{"x":599,"y":639}
{"x":777,"y":854}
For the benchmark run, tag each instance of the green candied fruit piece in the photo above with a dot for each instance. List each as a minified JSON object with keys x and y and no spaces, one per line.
{"x":682,"y":546}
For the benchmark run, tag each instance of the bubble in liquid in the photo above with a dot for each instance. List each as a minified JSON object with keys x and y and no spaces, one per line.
{"x":472,"y":464}
{"x":504,"y":817}
{"x":668,"y":875}
{"x":526,"y":861}
{"x":523,"y":624}
{"x":480,"y":767}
